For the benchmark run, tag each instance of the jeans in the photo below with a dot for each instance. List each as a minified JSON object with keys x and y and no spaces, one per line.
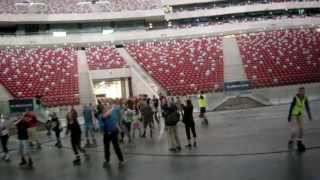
{"x":107,"y":139}
{"x":89,"y":131}
{"x":24,"y":147}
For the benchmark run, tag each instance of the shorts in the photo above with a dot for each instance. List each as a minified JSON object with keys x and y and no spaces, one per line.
{"x":24,"y":147}
{"x":32,"y":132}
{"x":202,"y":110}
{"x":136,"y":125}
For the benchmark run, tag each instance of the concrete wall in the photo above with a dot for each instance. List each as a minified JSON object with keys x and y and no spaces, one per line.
{"x":54,"y":18}
{"x":84,"y":39}
{"x":140,"y":85}
{"x":242,"y":9}
{"x":268,"y":96}
{"x":86,"y":93}
{"x":182,"y":2}
{"x":110,"y":73}
{"x":284,"y":94}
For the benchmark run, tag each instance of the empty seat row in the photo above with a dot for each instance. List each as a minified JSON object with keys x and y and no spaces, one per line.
{"x":281,"y":57}
{"x":74,"y":6}
{"x":104,"y":58}
{"x":44,"y":72}
{"x":182,"y":66}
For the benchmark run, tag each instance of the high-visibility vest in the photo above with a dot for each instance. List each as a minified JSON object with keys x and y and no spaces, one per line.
{"x":202,"y":102}
{"x":299,"y":106}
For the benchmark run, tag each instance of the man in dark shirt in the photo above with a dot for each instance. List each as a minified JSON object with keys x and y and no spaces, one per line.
{"x":24,"y":147}
{"x":147,"y":116}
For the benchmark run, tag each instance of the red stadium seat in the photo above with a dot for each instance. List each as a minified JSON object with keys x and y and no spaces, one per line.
{"x":104,"y":58}
{"x":182,"y":66}
{"x":50,"y":73}
{"x":281,"y":57}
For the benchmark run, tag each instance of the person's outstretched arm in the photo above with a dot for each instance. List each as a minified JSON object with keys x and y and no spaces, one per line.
{"x":291,"y":108}
{"x":308,"y":110}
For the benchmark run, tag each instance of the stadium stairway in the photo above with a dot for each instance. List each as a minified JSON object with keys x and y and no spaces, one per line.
{"x":233,"y":67}
{"x":86,"y":93}
{"x":149,"y":85}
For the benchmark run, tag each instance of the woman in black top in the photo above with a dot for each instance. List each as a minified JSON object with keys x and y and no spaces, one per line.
{"x":189,"y":123}
{"x":56,"y":127}
{"x":74,"y":128}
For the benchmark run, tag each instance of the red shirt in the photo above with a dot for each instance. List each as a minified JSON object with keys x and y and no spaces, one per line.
{"x":31,"y":119}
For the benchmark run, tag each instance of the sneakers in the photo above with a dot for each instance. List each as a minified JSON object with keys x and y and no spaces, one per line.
{"x":77,"y":161}
{"x":188,"y":146}
{"x":58,"y":145}
{"x":106,"y":164}
{"x":194,"y":144}
{"x":6,"y":157}
{"x":39,"y":146}
{"x":177,"y":149}
{"x":30,"y":164}
{"x":301,"y":147}
{"x":23,"y":162}
{"x":121,"y":164}
{"x":290,"y":144}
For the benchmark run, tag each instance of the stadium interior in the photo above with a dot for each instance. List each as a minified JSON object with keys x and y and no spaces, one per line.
{"x":242,"y":54}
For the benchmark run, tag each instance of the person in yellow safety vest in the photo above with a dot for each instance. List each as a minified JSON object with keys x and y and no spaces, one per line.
{"x":203,"y":105}
{"x":299,"y":103}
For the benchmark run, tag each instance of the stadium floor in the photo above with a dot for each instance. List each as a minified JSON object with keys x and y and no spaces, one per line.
{"x":245,"y":144}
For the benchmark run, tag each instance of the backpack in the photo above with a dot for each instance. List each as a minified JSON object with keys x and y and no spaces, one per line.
{"x":172,"y":119}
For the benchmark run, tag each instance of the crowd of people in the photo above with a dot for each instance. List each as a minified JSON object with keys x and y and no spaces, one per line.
{"x":118,"y":120}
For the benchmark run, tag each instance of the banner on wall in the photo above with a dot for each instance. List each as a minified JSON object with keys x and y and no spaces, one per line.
{"x":21,"y":105}
{"x":237,"y":86}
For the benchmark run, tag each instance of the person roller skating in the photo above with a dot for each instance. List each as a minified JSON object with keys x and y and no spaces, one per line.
{"x":24,"y":146}
{"x":74,"y":128}
{"x":4,"y":137}
{"x":56,"y":128}
{"x":299,"y":103}
{"x":202,"y":105}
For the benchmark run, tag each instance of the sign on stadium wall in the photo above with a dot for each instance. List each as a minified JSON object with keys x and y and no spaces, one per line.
{"x":237,"y":86}
{"x":21,"y":105}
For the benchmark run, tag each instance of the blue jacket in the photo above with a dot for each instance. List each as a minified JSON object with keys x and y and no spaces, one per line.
{"x":110,"y":122}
